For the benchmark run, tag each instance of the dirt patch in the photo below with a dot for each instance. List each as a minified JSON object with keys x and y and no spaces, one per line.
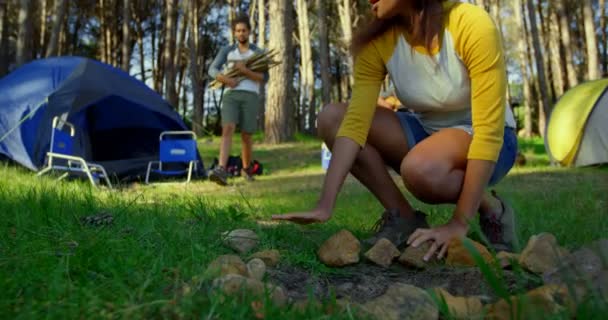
{"x":364,"y":281}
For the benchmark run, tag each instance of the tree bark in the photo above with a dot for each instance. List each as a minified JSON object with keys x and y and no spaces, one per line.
{"x":58,"y":16}
{"x":23,"y":53}
{"x":523,"y":65}
{"x":602,"y":6}
{"x":346,"y":25}
{"x":43,"y":17}
{"x":307,"y":98}
{"x":4,"y":38}
{"x":261,"y":23}
{"x":198,"y":112}
{"x":126,"y":41}
{"x":538,"y":57}
{"x":169,"y":52}
{"x":324,"y":52}
{"x":279,"y":104}
{"x":555,"y":53}
{"x":591,"y":40}
{"x":571,"y":74}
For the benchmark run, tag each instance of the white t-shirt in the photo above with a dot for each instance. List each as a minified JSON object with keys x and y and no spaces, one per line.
{"x":245,"y":84}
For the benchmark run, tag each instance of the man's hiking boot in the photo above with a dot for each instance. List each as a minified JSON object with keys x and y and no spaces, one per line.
{"x":396,"y":228}
{"x":247,"y":174}
{"x":219,"y":176}
{"x":499,"y":229}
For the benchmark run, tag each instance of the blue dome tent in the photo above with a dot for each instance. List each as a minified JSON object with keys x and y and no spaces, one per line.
{"x":118,"y":118}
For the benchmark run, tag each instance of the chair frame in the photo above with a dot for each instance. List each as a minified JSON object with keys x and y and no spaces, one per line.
{"x":192,"y":164}
{"x":74,"y":163}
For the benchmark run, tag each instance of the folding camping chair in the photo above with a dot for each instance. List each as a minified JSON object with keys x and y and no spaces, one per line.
{"x":61,"y":155}
{"x":175,"y":150}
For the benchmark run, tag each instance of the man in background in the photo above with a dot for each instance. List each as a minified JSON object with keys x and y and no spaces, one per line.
{"x":241,"y":98}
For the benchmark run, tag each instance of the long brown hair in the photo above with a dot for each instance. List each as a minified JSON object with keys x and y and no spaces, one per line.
{"x":418,"y":24}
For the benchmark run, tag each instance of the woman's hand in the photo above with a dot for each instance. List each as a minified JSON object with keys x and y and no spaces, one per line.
{"x":315,"y":216}
{"x":441,"y":236}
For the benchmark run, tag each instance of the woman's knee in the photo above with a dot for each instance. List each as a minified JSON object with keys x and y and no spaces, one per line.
{"x":329,"y":118}
{"x":421,"y":174}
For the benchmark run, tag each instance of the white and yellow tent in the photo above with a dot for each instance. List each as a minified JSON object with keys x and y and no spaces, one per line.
{"x":577,"y":133}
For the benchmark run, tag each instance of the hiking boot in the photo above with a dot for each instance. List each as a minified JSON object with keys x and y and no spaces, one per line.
{"x":499,"y":229}
{"x":219,"y":176}
{"x":247,"y":174}
{"x":396,"y":228}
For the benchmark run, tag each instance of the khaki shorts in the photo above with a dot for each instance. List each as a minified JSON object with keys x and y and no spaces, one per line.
{"x":241,"y":107}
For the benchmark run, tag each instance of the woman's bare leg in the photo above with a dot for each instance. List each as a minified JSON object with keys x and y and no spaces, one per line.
{"x":386,"y":145}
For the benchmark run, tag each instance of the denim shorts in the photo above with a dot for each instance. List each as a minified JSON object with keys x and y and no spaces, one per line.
{"x":415,"y":133}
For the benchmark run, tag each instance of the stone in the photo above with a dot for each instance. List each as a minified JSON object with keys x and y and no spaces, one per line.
{"x":459,"y":255}
{"x":536,"y":304}
{"x":256,"y":268}
{"x":382,"y":253}
{"x":402,"y":301}
{"x":239,"y":286}
{"x":414,"y":257}
{"x":600,"y":247}
{"x":581,"y":265}
{"x":270,"y":257}
{"x":541,"y":254}
{"x":461,"y":307}
{"x":241,"y":240}
{"x":225,"y":265}
{"x":340,"y":250}
{"x":506,"y":259}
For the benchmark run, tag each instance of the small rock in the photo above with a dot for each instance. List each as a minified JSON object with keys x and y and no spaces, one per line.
{"x":382,"y":253}
{"x":600,"y":247}
{"x":461,"y":307}
{"x":459,"y":255}
{"x":507,"y":258}
{"x":241,"y":240}
{"x":583,"y":264}
{"x":414,"y":257}
{"x":237,"y":285}
{"x":225,"y":265}
{"x":536,"y":304}
{"x":541,"y":254}
{"x":340,"y":250}
{"x":402,"y":301}
{"x":270,"y":257}
{"x":256,"y":268}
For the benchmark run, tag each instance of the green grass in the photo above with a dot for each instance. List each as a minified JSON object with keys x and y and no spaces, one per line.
{"x":149,"y":263}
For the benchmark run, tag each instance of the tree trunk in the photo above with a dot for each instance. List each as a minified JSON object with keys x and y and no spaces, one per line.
{"x":232,"y":9}
{"x":169,"y":52}
{"x":198,"y":112}
{"x":279,"y":108}
{"x":23,"y":53}
{"x":591,"y":40}
{"x":261,"y":23}
{"x":262,"y":44}
{"x":555,"y":53}
{"x":604,"y":35}
{"x":58,"y":16}
{"x":4,"y":38}
{"x":126,"y":41}
{"x":523,"y":65}
{"x":43,"y":17}
{"x":306,"y":65}
{"x":538,"y":57}
{"x":324,"y":52}
{"x":346,"y":24}
{"x":566,"y":42}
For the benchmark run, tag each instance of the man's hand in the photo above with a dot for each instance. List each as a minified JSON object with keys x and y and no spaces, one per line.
{"x":241,"y":66}
{"x":314,"y":216}
{"x":228,"y":81}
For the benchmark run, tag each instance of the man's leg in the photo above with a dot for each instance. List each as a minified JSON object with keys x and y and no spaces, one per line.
{"x":227,"y":133}
{"x":246,"y":148}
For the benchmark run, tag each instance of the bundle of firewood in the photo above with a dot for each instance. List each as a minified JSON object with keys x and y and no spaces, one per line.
{"x":259,"y":62}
